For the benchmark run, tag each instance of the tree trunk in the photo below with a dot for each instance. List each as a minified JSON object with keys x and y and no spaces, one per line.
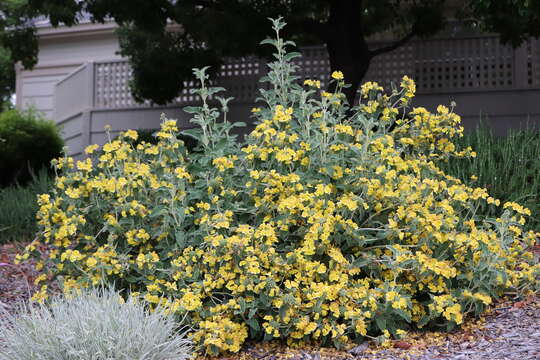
{"x":347,"y":48}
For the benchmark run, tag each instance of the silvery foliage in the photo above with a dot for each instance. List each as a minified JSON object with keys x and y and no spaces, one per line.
{"x":95,"y":325}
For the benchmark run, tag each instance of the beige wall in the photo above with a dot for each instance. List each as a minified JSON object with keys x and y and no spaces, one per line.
{"x":78,"y":49}
{"x":61,"y":51}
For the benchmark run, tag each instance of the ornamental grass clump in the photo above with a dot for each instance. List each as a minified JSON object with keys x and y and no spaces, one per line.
{"x":508,"y":166}
{"x":93,"y":325}
{"x":324,"y":226}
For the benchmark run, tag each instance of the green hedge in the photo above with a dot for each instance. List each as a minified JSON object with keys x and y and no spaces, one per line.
{"x":28,"y":143}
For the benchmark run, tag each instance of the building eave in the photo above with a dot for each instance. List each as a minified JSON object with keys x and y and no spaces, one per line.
{"x":84,"y":29}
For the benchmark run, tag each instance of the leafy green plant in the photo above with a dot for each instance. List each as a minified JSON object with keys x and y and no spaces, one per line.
{"x":93,"y":325}
{"x":324,"y":226}
{"x":18,"y":208}
{"x":509,"y":167}
{"x":28,"y":144}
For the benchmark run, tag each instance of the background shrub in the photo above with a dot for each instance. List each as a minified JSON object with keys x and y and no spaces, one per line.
{"x":28,"y":143}
{"x":509,"y":167}
{"x":18,"y":207}
{"x":95,"y":325}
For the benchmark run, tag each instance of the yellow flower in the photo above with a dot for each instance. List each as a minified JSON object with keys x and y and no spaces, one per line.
{"x":223,"y":163}
{"x":91,"y":262}
{"x":85,"y":165}
{"x":132,"y":134}
{"x":181,"y":173}
{"x":153,"y":299}
{"x":369,"y":86}
{"x":111,"y":146}
{"x":164,"y":135}
{"x":40,"y":278}
{"x":483,"y":297}
{"x":73,"y":193}
{"x":361,"y":327}
{"x":338,"y":75}
{"x":313,"y":83}
{"x":344,"y":129}
{"x":282,"y":115}
{"x":91,"y":148}
{"x":41,"y":295}
{"x":190,"y":301}
{"x":326,"y":94}
{"x":408,"y":86}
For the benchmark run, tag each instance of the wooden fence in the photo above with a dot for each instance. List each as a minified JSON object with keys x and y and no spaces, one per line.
{"x":481,"y":75}
{"x":439,"y":65}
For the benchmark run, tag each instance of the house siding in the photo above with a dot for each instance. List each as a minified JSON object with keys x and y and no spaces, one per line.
{"x":60,"y":53}
{"x":37,"y":92}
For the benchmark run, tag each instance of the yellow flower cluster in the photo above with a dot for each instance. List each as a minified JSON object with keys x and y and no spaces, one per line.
{"x":282,"y":115}
{"x":369,"y":86}
{"x":313,"y":83}
{"x":337,"y":75}
{"x":221,"y":333}
{"x":319,"y":228}
{"x":222,"y":163}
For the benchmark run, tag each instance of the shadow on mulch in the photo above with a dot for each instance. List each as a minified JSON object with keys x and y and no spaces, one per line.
{"x":16,"y":280}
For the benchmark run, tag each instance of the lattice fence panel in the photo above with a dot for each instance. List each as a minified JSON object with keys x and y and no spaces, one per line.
{"x":111,"y":86}
{"x":314,"y":64}
{"x":392,"y":66}
{"x":471,"y":64}
{"x":533,"y":62}
{"x":240,"y":77}
{"x":437,"y":65}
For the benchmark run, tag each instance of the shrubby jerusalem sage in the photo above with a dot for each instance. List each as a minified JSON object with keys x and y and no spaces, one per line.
{"x":325,"y":225}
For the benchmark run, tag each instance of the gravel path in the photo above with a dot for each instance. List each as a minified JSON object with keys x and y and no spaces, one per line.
{"x":512,"y":332}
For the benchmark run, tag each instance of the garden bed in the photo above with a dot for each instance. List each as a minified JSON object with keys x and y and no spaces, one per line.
{"x":508,"y":331}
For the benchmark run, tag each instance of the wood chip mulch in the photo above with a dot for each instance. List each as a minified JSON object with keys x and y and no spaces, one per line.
{"x":16,"y":281}
{"x":511,"y":330}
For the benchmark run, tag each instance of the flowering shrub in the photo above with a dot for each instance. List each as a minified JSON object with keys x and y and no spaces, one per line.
{"x":324,"y":226}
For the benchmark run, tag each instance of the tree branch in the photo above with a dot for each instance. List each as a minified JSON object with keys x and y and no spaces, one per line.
{"x":394,"y":46}
{"x":309,"y":26}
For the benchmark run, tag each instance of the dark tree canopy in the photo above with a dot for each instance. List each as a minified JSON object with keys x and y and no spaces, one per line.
{"x":164,"y":39}
{"x":17,"y":43}
{"x":514,"y":20}
{"x":7,"y":78}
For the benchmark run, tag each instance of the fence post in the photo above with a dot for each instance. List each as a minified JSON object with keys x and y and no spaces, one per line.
{"x":18,"y":85}
{"x":90,"y":83}
{"x":86,"y":116}
{"x":86,"y":128}
{"x":521,"y":67}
